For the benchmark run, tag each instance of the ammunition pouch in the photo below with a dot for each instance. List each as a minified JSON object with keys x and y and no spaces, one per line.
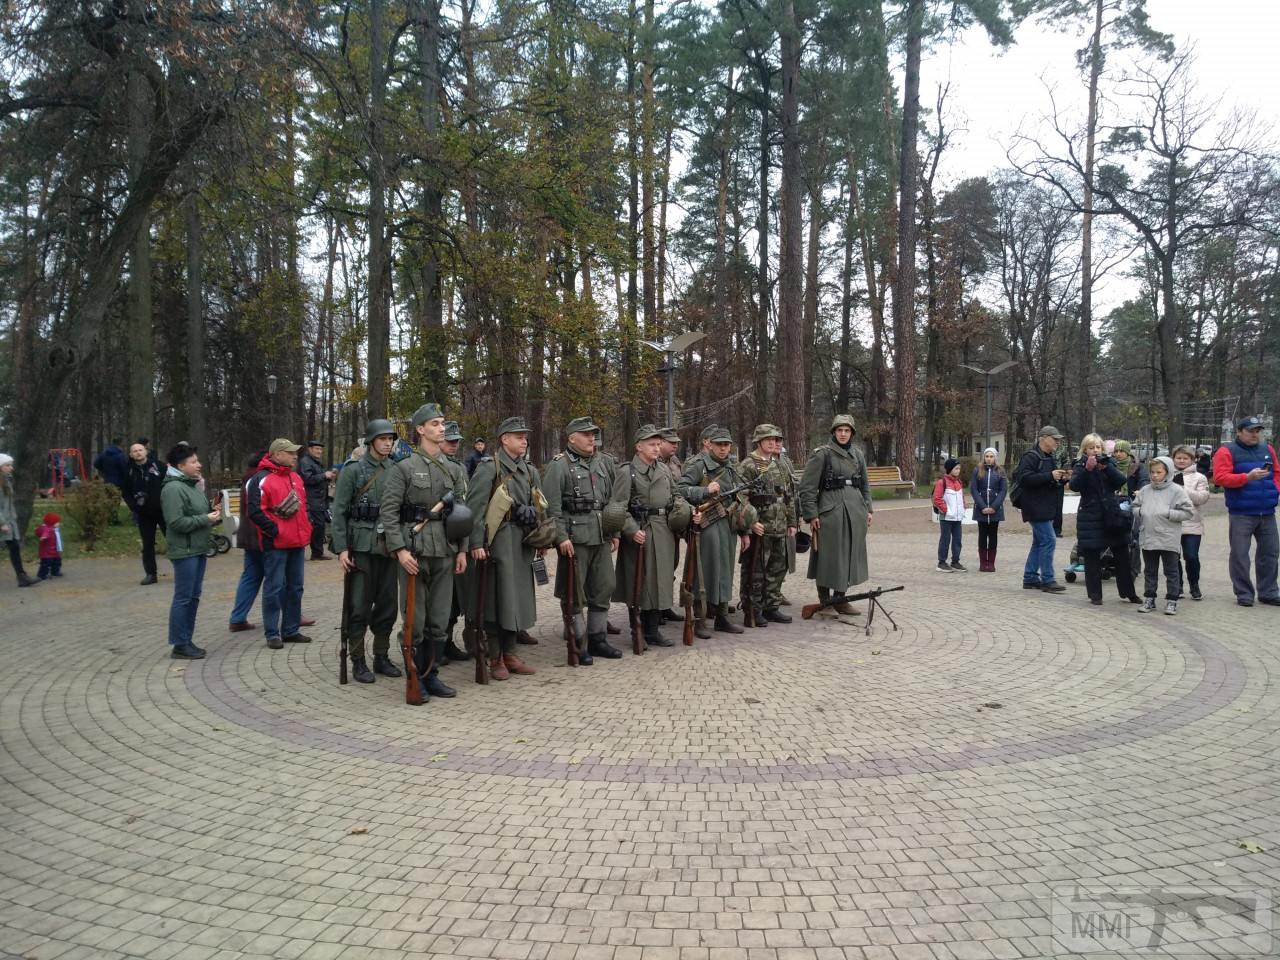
{"x":364,"y":510}
{"x":580,"y":505}
{"x":838,"y":483}
{"x":412,"y":513}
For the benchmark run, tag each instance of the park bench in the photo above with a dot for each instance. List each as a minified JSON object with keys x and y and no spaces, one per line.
{"x":889,"y":477}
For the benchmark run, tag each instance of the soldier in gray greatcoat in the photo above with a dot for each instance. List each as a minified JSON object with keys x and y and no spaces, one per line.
{"x":420,"y":493}
{"x":509,"y":601}
{"x":836,"y":500}
{"x":362,"y":550}
{"x":645,"y":502}
{"x":775,"y":504}
{"x":577,"y":484}
{"x":723,"y":526}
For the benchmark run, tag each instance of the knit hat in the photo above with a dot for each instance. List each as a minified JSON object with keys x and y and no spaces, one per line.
{"x":993,"y":451}
{"x":1123,"y":445}
{"x":950,"y":464}
{"x":5,"y":459}
{"x":51,"y":518}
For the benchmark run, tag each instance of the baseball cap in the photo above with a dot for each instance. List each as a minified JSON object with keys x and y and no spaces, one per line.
{"x":1050,"y":431}
{"x":1249,"y":423}
{"x":281,"y":445}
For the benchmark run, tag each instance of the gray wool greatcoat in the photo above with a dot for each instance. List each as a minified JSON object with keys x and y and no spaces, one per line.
{"x":718,"y":543}
{"x":509,"y":597}
{"x":655,"y":489}
{"x":841,"y":558}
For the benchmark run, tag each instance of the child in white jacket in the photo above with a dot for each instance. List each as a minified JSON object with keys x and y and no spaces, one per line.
{"x":1197,"y":487}
{"x":1160,"y":509}
{"x":948,"y":501}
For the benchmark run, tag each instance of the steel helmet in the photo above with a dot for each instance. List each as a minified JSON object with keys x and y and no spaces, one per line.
{"x":379,"y":428}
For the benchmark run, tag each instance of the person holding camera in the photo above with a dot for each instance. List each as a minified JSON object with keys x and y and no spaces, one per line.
{"x":143,"y":480}
{"x":1103,"y":520}
{"x":1247,"y":470}
{"x":1039,"y":481}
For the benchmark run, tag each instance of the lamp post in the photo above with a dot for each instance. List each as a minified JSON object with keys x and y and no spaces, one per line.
{"x":272,"y":381}
{"x":678,"y":345}
{"x":989,"y":374}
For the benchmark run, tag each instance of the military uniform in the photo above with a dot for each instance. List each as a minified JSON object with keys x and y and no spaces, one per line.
{"x":721,"y":525}
{"x":452,"y":433}
{"x":509,"y":602}
{"x":775,"y":505}
{"x":577,"y":488}
{"x":416,"y":485}
{"x":644,"y":498}
{"x":834,"y":489}
{"x":356,"y":506}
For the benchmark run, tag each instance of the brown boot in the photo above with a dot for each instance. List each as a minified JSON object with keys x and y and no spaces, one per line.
{"x":517,"y":666}
{"x":723,"y":623}
{"x":700,"y":630}
{"x":498,"y":670}
{"x":522,"y":636}
{"x":611,"y":630}
{"x":848,"y":609}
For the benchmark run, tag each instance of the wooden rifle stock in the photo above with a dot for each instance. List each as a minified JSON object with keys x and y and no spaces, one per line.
{"x":638,"y":645}
{"x":476,"y":626}
{"x":412,"y":682}
{"x":346,"y":623}
{"x":690,"y":581}
{"x":809,"y":609}
{"x":748,"y":600}
{"x":566,"y":610}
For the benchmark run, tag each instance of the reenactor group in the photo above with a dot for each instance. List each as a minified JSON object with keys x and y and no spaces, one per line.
{"x":417,"y":533}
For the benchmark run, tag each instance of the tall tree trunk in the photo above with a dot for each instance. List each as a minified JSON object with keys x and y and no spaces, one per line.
{"x":904,"y":324}
{"x":142,"y":361}
{"x":790,"y":401}
{"x":846,"y":289}
{"x":197,"y":424}
{"x":664,"y":203}
{"x":630,"y":326}
{"x":817,"y":218}
{"x":433,"y":352}
{"x":761,"y":345}
{"x":1085,"y":353}
{"x":379,"y":316}
{"x":648,"y":201}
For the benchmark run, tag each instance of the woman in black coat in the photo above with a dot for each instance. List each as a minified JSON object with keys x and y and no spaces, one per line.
{"x":1100,"y":521}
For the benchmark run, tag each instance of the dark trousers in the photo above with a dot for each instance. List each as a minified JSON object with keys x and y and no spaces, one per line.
{"x":281,"y":591}
{"x":949,"y":536}
{"x":15,"y":557}
{"x":1092,"y":556}
{"x":1151,"y":560}
{"x":1243,"y":532}
{"x":317,"y":537}
{"x":147,"y":530}
{"x":988,"y":535}
{"x":50,"y":567}
{"x":1191,"y":557}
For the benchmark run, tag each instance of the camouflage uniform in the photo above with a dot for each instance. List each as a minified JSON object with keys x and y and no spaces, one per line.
{"x":776,"y":509}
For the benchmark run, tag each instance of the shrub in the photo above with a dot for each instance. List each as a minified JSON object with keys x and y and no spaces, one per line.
{"x":92,"y":505}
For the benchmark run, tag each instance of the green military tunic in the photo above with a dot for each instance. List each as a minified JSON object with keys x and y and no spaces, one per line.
{"x":721,"y":526}
{"x":357,"y":528}
{"x":509,"y":602}
{"x":775,"y":508}
{"x":834,"y":488}
{"x":577,"y":488}
{"x":654,"y":489}
{"x":418,"y":483}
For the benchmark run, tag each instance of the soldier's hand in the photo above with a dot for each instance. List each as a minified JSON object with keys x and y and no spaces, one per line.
{"x":344,"y":558}
{"x":758,"y":529}
{"x":479,"y":553}
{"x":815,"y":523}
{"x":791,"y":531}
{"x":460,"y":563}
{"x":566,"y":548}
{"x":408,"y":561}
{"x":638,"y":538}
{"x":744,"y":542}
{"x":868,"y":518}
{"x":713,"y":488}
{"x":613,"y":545}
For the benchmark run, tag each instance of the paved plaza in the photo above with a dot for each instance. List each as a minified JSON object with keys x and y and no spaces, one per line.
{"x":1010,"y":774}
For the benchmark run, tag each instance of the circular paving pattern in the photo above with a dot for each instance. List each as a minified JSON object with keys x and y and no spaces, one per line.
{"x":795,"y":792}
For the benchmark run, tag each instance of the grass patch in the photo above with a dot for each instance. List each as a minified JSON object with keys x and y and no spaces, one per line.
{"x":120,"y":539}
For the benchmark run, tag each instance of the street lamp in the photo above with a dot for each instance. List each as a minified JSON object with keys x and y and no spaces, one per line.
{"x":989,"y":374}
{"x":679,"y":345}
{"x":272,"y":381}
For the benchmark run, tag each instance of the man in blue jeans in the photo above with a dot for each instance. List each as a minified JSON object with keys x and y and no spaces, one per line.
{"x":277,"y":507}
{"x":1039,"y":480}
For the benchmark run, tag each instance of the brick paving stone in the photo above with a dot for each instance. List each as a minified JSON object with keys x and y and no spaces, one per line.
{"x":787,"y":793}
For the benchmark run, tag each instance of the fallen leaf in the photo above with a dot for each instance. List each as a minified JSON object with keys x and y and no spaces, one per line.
{"x":751,"y":700}
{"x":575,"y":760}
{"x":358,"y":830}
{"x":1250,"y":847}
{"x":522,"y":739}
{"x":875,"y":653}
{"x":992,"y":705}
{"x":857,"y":661}
{"x":439,"y":756}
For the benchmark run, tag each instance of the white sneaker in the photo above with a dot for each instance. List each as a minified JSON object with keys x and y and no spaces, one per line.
{"x":1171,"y":607}
{"x":1148,"y":605}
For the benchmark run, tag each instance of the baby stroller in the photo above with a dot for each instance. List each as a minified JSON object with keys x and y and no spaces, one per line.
{"x":1076,"y":566}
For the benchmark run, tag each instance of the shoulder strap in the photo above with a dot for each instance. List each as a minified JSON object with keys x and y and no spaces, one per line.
{"x":373,"y":476}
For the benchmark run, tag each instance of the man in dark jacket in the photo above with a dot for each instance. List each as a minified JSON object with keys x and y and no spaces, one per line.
{"x":475,"y":456}
{"x":112,"y":464}
{"x":316,"y":480}
{"x":143,"y":479}
{"x":1039,"y":480}
{"x":1247,"y":469}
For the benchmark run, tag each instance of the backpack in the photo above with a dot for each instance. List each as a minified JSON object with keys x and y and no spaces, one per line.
{"x":1015,"y":490}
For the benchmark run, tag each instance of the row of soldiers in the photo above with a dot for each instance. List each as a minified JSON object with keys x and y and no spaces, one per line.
{"x":404,"y":522}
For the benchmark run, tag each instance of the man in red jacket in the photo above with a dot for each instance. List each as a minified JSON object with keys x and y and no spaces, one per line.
{"x":277,"y":507}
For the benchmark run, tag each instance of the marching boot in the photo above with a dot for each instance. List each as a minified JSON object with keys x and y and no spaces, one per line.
{"x":517,"y":666}
{"x":524,"y":637}
{"x":672,"y":616}
{"x":382,"y":664}
{"x":609,"y":628}
{"x":451,"y":651}
{"x":700,"y":629}
{"x":437,"y":687}
{"x":776,"y":616}
{"x":723,"y":624}
{"x":652,"y":619}
{"x":498,"y":670}
{"x":584,"y":655}
{"x":360,"y":670}
{"x":598,"y":645}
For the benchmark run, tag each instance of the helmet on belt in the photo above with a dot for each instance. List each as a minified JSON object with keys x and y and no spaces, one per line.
{"x":458,"y":521}
{"x":379,"y":428}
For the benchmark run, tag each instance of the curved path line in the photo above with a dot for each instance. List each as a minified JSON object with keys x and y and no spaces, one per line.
{"x":1222,"y":681}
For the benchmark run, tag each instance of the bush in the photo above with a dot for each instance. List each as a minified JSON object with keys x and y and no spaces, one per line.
{"x":92,"y":505}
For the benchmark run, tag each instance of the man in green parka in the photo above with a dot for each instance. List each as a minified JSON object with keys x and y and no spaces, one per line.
{"x":836,"y":500}
{"x":420,"y":493}
{"x":775,"y":503}
{"x":578,"y":483}
{"x":724,"y":526}
{"x":362,"y":550}
{"x":643,"y":500}
{"x":509,"y":601}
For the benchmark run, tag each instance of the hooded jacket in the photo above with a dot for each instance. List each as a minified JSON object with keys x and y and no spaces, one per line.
{"x":1197,"y":487}
{"x":278,"y":506}
{"x":1161,"y":509}
{"x":186,"y":516}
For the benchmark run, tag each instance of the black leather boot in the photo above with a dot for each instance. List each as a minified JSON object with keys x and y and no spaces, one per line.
{"x":651,"y":620}
{"x":360,"y":670}
{"x":452,"y":653}
{"x":777,"y":616}
{"x":382,"y":664}
{"x":437,"y":687}
{"x":723,"y":623}
{"x":598,"y":645}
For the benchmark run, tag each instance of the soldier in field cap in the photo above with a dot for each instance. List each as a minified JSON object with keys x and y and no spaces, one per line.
{"x":499,"y":539}
{"x":421,"y":493}
{"x":578,"y":483}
